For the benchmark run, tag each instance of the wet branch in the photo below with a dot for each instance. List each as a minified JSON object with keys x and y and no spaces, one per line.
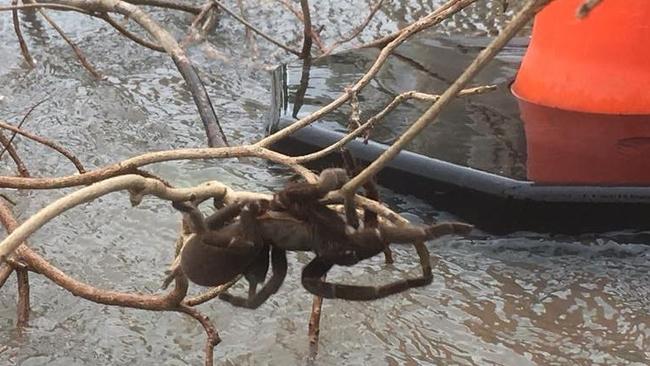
{"x":8,"y":147}
{"x":452,"y":7}
{"x":63,"y":151}
{"x":307,"y":39}
{"x":522,"y":18}
{"x":23,"y":45}
{"x":255,"y":29}
{"x":77,"y":51}
{"x":22,"y":278}
{"x":356,"y":31}
{"x":128,"y":34}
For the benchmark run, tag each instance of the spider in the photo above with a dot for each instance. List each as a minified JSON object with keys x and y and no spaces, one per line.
{"x":237,"y":239}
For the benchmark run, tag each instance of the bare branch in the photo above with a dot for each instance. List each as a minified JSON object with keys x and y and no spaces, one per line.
{"x":128,"y":166}
{"x":77,"y":51}
{"x":5,"y":271}
{"x":430,"y":20}
{"x":7,"y":146}
{"x":307,"y":41}
{"x":526,"y":14}
{"x":138,"y":187}
{"x":356,"y":31}
{"x":185,"y":6}
{"x":211,"y":293}
{"x":314,"y":34}
{"x":314,"y":326}
{"x":372,"y":121}
{"x":46,"y":142}
{"x":22,"y":276}
{"x":212,"y":335}
{"x":22,"y":121}
{"x":384,"y":41}
{"x":256,"y":30}
{"x":125,"y":32}
{"x":52,"y":6}
{"x":23,"y":46}
{"x":250,"y":38}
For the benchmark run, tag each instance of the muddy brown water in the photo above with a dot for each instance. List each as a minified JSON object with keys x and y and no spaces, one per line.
{"x":522,"y":299}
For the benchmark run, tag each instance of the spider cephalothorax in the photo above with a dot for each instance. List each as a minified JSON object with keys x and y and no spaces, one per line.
{"x":237,"y":240}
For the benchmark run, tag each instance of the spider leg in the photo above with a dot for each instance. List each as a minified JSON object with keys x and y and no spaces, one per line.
{"x":370,"y":219}
{"x":256,"y":272}
{"x":317,"y":268}
{"x":328,"y":180}
{"x":223,"y":215}
{"x":357,"y":246}
{"x":254,"y":300}
{"x":192,"y":214}
{"x":409,"y":234}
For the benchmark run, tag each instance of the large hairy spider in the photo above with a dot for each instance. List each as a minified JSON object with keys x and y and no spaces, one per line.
{"x":237,"y":239}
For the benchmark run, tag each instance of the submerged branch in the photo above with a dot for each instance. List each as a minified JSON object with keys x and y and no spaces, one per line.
{"x":23,"y":45}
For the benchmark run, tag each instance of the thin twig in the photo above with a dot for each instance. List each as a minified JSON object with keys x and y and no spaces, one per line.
{"x":307,"y":41}
{"x":210,"y":331}
{"x":586,"y":8}
{"x":372,"y":121}
{"x":211,"y":293}
{"x":384,"y":41}
{"x":452,"y":7}
{"x":22,"y":121}
{"x":314,"y":326}
{"x":314,"y":34}
{"x":213,"y":130}
{"x":356,"y":31}
{"x":5,"y":271}
{"x":201,"y":24}
{"x":256,"y":30}
{"x":128,"y":165}
{"x":47,"y":143}
{"x":185,"y":6}
{"x":77,"y":51}
{"x":250,"y":37}
{"x":22,"y":169}
{"x":22,"y":276}
{"x":130,"y":35}
{"x":52,"y":6}
{"x":522,"y":18}
{"x":23,"y":45}
{"x":137,"y":185}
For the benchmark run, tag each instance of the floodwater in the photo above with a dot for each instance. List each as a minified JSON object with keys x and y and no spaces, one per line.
{"x":522,"y":299}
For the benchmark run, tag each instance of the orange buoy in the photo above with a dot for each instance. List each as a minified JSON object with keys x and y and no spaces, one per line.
{"x":584,"y":94}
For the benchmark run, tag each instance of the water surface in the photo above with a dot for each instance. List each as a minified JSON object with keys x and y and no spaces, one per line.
{"x":517,"y":300}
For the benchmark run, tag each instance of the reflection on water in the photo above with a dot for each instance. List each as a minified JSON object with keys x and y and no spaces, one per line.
{"x":516,"y":300}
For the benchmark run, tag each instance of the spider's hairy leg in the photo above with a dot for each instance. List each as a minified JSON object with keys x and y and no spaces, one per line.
{"x":359,"y":245}
{"x":192,"y":214}
{"x":331,"y":179}
{"x":279,"y":272}
{"x":256,"y":272}
{"x":409,"y":234}
{"x":223,"y":215}
{"x":318,"y":267}
{"x":299,"y":193}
